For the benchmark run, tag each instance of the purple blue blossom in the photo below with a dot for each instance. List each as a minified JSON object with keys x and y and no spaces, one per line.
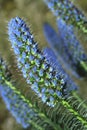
{"x":66,"y":10}
{"x":67,"y":48}
{"x":45,"y":75}
{"x":19,"y":107}
{"x":71,"y":47}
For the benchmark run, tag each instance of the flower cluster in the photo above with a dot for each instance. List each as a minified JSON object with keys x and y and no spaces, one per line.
{"x":18,"y":106}
{"x":66,"y":46}
{"x":72,"y":48}
{"x":66,"y":10}
{"x":47,"y":81}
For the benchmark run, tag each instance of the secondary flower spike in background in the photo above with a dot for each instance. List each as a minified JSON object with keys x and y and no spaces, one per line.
{"x":67,"y":47}
{"x":66,"y":10}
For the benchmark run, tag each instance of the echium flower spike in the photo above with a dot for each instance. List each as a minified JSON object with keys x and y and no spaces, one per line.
{"x":49,"y":93}
{"x":66,"y":10}
{"x":71,"y":48}
{"x":67,"y":48}
{"x":55,"y":43}
{"x":22,"y":109}
{"x":49,"y":83}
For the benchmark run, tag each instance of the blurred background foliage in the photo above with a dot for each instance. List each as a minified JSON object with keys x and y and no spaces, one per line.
{"x":35,"y":13}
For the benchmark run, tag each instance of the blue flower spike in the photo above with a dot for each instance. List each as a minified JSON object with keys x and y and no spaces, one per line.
{"x":20,"y":108}
{"x":49,"y":83}
{"x":67,"y":48}
{"x":66,"y":10}
{"x":72,"y":49}
{"x":55,"y":43}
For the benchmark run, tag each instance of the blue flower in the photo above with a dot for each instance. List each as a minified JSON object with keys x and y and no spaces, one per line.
{"x":45,"y":75}
{"x":19,"y":107}
{"x":71,"y":47}
{"x":67,"y":48}
{"x":66,"y":10}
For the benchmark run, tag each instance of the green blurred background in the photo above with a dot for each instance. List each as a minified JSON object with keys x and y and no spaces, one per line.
{"x":35,"y":13}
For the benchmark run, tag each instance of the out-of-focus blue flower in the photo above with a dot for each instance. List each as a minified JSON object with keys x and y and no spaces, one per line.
{"x":66,"y":10}
{"x":55,"y":42}
{"x":72,"y":48}
{"x":66,"y":47}
{"x":52,"y":37}
{"x":39,"y":72}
